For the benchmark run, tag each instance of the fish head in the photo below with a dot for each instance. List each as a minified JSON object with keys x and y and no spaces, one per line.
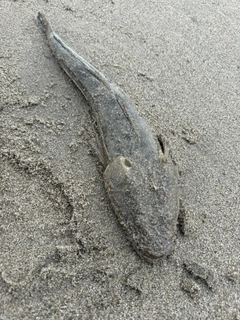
{"x":146,"y":204}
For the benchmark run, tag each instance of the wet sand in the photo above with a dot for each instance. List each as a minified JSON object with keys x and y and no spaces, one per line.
{"x":63,"y":253}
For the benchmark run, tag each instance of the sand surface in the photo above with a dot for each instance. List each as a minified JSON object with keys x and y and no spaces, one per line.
{"x":63,"y":254}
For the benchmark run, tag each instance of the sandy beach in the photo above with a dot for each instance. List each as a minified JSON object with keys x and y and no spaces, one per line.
{"x":63,"y":253}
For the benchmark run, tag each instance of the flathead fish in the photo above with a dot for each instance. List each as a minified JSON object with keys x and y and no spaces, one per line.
{"x":139,"y":175}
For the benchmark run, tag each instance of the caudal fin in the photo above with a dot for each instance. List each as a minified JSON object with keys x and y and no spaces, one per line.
{"x":44,"y":23}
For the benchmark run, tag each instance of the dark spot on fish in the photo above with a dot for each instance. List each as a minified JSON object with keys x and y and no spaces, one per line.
{"x":162,"y":144}
{"x":127,"y":163}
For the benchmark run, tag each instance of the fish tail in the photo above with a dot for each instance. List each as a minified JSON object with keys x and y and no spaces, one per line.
{"x":45,"y":25}
{"x":60,"y":47}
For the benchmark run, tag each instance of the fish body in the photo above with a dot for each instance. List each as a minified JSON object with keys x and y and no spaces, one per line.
{"x":139,"y":175}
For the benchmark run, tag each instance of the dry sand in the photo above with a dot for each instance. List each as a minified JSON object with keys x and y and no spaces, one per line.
{"x":63,"y":254}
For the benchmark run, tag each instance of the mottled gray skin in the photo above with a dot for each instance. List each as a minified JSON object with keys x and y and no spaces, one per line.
{"x":140,"y":177}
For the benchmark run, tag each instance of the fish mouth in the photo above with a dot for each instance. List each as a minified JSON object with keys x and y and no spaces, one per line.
{"x":155,"y":254}
{"x":151,"y":256}
{"x":148,"y":254}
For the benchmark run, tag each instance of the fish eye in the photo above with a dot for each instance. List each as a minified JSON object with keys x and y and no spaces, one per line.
{"x":127,"y":163}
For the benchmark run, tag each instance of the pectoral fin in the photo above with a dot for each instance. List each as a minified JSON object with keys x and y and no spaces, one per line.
{"x":116,"y":172}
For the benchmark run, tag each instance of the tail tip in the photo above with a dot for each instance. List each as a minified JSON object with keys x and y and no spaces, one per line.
{"x":43,"y":21}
